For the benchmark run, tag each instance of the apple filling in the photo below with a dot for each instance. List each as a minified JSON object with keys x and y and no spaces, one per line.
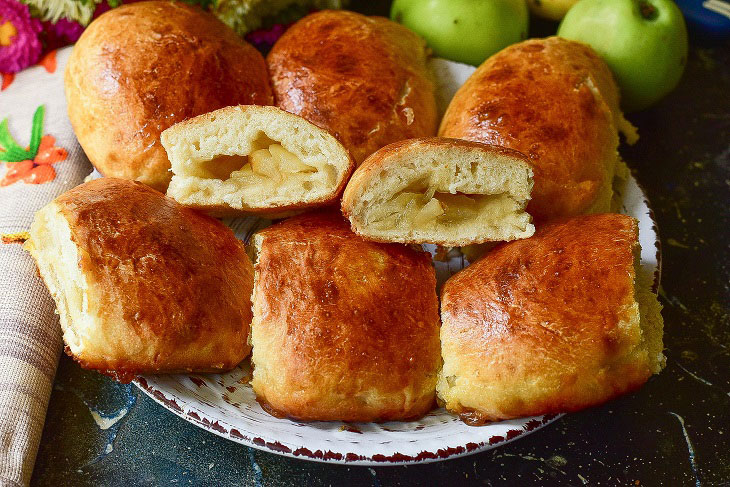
{"x":430,"y":208}
{"x":268,"y":171}
{"x":270,"y":164}
{"x":274,"y":162}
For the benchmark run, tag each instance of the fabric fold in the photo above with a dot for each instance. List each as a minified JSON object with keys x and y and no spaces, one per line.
{"x":30,"y":336}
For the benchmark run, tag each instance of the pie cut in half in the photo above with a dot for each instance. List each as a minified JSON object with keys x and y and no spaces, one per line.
{"x":444,"y":191}
{"x":254,"y":159}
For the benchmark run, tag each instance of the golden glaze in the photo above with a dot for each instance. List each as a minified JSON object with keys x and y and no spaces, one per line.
{"x":547,"y":324}
{"x":170,"y":287}
{"x":555,"y":101}
{"x":364,"y":79}
{"x":140,"y":68}
{"x":344,"y":329}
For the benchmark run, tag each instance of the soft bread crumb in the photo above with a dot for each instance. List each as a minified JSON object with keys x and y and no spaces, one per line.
{"x":629,"y":131}
{"x":57,"y":260}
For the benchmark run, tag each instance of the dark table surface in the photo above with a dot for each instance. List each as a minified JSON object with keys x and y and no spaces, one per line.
{"x":674,"y":431}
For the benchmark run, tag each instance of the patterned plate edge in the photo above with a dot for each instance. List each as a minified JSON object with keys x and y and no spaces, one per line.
{"x":222,"y":429}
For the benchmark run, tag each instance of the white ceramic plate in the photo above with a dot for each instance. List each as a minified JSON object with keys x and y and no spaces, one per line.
{"x":226,"y":405}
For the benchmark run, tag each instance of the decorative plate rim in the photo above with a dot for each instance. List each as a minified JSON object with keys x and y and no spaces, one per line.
{"x":217,"y":427}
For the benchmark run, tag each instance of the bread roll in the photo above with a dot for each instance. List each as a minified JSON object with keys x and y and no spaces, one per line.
{"x":555,"y":101}
{"x":143,"y":67}
{"x":143,"y":285}
{"x":254,"y":159}
{"x":554,"y":323}
{"x":344,"y":329}
{"x":364,"y":79}
{"x":445,"y":191}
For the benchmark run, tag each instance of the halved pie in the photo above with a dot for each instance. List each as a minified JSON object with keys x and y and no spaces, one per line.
{"x":254,"y":159}
{"x":444,"y":191}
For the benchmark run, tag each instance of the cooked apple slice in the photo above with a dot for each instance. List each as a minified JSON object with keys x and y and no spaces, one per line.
{"x":430,"y":211}
{"x":264,"y":164}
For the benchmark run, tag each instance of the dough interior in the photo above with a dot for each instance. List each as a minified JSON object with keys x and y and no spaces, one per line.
{"x":57,"y":262}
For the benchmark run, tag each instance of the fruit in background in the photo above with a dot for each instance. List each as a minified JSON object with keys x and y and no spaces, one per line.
{"x":467,"y":31}
{"x":644,"y":42}
{"x":550,"y":9}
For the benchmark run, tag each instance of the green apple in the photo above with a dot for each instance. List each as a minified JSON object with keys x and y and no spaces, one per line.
{"x":468,"y":31}
{"x":644,"y":42}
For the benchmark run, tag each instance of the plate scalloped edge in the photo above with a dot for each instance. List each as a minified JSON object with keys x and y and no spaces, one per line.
{"x":225,"y":430}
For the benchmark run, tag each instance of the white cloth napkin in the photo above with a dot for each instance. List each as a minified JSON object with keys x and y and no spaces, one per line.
{"x":30,"y":337}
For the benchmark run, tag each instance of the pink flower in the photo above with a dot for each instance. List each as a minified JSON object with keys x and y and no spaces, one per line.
{"x":263,"y":39}
{"x":61,"y":33}
{"x":19,"y":43}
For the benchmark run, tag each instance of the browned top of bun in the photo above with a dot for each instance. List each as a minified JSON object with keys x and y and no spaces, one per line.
{"x":546,"y":324}
{"x":140,"y":68}
{"x":167,"y":277}
{"x":344,"y":328}
{"x":362,"y":78}
{"x":555,"y":101}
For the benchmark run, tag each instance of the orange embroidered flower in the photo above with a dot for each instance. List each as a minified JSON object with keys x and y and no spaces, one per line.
{"x":7,"y":80}
{"x":48,"y":153}
{"x":32,"y":165}
{"x":16,"y":171}
{"x":40,"y":175}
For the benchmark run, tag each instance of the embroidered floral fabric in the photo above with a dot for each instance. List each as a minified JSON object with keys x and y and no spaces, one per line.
{"x":39,"y":159}
{"x":34,"y":164}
